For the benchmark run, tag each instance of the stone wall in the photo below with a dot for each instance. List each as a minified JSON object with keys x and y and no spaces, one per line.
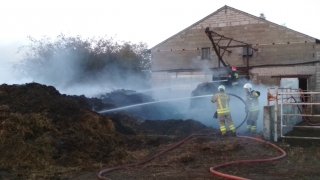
{"x":275,"y":43}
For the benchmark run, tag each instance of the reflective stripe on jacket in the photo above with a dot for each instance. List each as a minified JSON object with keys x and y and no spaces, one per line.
{"x":252,"y":101}
{"x":222,"y":102}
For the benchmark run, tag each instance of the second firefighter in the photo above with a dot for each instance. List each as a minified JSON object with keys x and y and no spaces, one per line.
{"x":253,"y":110}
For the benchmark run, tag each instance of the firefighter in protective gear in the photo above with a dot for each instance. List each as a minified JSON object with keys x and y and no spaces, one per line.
{"x":222,"y":104}
{"x":234,"y":76}
{"x":253,"y":110}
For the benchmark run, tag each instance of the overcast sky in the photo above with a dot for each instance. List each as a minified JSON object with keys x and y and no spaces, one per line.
{"x":148,"y":21}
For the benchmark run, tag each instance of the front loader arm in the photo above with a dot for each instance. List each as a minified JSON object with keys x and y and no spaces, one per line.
{"x":215,"y":47}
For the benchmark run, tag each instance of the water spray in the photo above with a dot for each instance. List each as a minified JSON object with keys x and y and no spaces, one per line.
{"x":153,"y":102}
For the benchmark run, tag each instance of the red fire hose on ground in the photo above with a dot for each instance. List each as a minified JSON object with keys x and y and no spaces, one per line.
{"x":212,"y":169}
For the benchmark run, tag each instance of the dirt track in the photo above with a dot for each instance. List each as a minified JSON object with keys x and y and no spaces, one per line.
{"x":193,"y":160}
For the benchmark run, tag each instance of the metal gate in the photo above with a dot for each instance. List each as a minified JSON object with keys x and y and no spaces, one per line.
{"x":295,"y":106}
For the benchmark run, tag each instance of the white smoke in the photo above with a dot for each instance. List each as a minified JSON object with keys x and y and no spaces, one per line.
{"x":8,"y":57}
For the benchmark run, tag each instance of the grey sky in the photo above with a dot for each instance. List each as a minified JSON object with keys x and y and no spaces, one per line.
{"x":149,"y":21}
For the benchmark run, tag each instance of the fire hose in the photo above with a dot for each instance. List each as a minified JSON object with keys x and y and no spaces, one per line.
{"x":212,"y":169}
{"x":307,"y":119}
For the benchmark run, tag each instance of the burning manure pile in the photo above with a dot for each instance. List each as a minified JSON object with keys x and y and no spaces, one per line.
{"x":44,"y":133}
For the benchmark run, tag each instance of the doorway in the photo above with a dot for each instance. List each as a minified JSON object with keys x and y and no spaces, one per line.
{"x":303,"y":85}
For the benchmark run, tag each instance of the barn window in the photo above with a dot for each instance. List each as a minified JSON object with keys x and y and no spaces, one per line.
{"x":246,"y":51}
{"x":205,"y":53}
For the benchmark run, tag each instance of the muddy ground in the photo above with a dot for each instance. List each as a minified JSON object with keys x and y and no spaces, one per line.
{"x":48,"y":135}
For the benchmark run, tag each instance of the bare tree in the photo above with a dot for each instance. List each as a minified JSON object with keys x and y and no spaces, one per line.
{"x":69,"y":60}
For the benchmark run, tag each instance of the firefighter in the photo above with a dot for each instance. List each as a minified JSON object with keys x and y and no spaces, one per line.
{"x":223,"y":111}
{"x":252,"y":108}
{"x":234,"y":76}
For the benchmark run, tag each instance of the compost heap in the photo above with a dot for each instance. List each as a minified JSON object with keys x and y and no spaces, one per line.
{"x":202,"y":89}
{"x":44,"y":133}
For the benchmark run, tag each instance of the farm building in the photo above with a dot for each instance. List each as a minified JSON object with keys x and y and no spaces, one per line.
{"x":262,"y":51}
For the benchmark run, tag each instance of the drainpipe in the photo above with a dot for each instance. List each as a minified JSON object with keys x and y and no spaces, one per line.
{"x":276,"y":114}
{"x":248,"y":62}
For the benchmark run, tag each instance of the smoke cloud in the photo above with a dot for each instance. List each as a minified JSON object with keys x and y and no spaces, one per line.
{"x":60,"y":73}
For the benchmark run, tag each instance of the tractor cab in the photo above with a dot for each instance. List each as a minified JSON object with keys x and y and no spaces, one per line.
{"x":227,"y":76}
